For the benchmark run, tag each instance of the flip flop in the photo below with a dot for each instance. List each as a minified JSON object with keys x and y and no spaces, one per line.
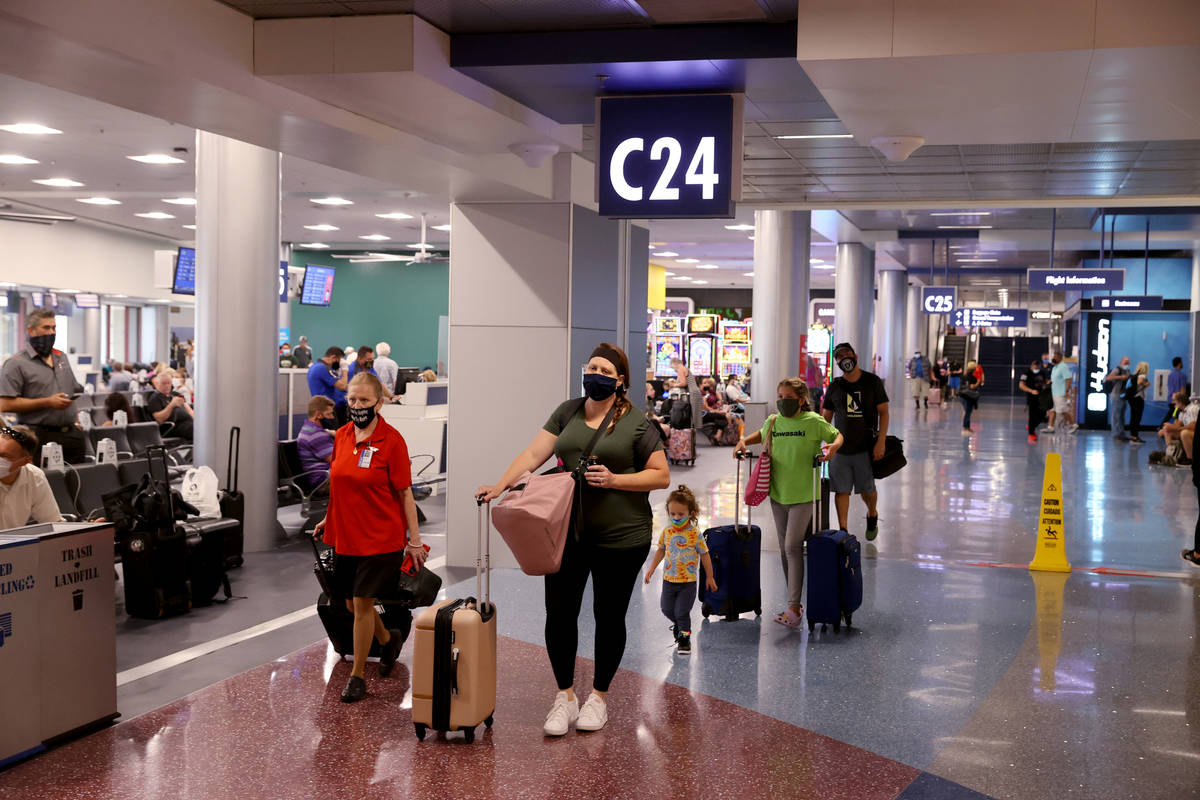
{"x":789,"y":618}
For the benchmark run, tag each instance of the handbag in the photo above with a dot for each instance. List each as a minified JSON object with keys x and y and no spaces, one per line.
{"x":969,"y":393}
{"x":893,"y":458}
{"x":418,"y":587}
{"x":759,"y":487}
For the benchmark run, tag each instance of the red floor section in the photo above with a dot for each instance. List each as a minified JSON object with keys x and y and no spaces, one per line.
{"x":279,"y":731}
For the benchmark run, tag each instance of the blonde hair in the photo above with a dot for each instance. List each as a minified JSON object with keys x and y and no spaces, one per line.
{"x":370,"y":380}
{"x":428,"y":376}
{"x":798,"y":387}
{"x":685,"y":497}
{"x":1142,"y":368}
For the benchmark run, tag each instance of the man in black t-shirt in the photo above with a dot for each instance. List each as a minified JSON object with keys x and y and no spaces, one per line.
{"x":166,"y":405}
{"x":1034,"y":383}
{"x":857,"y":405}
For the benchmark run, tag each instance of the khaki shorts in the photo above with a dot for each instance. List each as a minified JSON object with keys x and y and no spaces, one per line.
{"x":1062,"y":404}
{"x":919,"y":387}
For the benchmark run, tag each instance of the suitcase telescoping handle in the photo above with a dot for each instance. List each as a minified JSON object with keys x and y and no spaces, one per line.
{"x":483,"y":552}
{"x":816,"y":513}
{"x":233,"y":462}
{"x":737,"y":498}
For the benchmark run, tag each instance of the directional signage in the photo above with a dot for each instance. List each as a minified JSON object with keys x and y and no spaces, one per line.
{"x":938,"y":299}
{"x":1046,"y":280}
{"x":674,"y":156}
{"x":989,"y":318}
{"x":1128,"y":303}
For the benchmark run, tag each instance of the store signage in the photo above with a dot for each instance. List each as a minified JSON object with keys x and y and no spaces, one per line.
{"x":822,"y":312}
{"x":1099,"y":335}
{"x":1049,"y":280}
{"x":1128,"y":303}
{"x":1045,"y":315}
{"x":285,"y":335}
{"x":938,"y":299}
{"x":669,"y":156}
{"x":989,"y":318}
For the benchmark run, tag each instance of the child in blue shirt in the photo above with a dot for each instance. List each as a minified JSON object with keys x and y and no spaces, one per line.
{"x":683,"y":547}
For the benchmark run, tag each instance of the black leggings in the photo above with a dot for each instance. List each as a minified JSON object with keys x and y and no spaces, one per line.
{"x":1036,"y":415}
{"x":614,"y":573}
{"x":1137,"y":407}
{"x":1196,"y":541}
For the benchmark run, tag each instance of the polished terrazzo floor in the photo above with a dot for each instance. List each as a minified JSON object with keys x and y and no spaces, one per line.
{"x":960,"y":681}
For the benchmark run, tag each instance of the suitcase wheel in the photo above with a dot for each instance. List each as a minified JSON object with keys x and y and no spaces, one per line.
{"x":758,"y":612}
{"x":488,"y":722}
{"x":848,"y":622}
{"x":837,"y":626}
{"x":469,"y":734}
{"x":705,"y":610}
{"x":731,"y":617}
{"x":421,"y":730}
{"x":811,"y":626}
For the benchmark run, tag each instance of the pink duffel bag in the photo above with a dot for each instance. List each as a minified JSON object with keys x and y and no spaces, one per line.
{"x":534,"y":518}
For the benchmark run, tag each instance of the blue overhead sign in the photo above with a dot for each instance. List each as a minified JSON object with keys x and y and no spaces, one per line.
{"x":676,"y":156}
{"x":938,"y":299}
{"x":1120,"y":302}
{"x":1054,"y":280}
{"x":989,"y":318}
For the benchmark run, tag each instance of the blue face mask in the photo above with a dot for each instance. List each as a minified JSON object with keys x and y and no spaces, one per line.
{"x":599,"y":387}
{"x":682,"y":522}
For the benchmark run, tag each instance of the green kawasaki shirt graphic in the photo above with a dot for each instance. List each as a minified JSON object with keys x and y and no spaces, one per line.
{"x":794,"y":444}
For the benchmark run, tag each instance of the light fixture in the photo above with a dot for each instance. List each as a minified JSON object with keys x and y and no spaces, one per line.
{"x":817,"y":136}
{"x":978,"y":260}
{"x":180,"y":201}
{"x":156,"y":158}
{"x":331,"y":201}
{"x":816,"y":261}
{"x":824,"y":266}
{"x":419,"y":246}
{"x":60,"y":183}
{"x":687,"y":261}
{"x":664,"y":254}
{"x":313,"y":245}
{"x":98,"y":201}
{"x":751,"y":238}
{"x":748,"y":274}
{"x":960,"y":213}
{"x":707,"y":266}
{"x":190,"y":227}
{"x":394,"y":215}
{"x":322,"y":227}
{"x":28,"y":128}
{"x":16,"y":160}
{"x":441,"y":227}
{"x":683,"y":277}
{"x":155,"y":215}
{"x":963,"y":227}
{"x":699,"y":282}
{"x":669,"y":274}
{"x":375,"y":237}
{"x":739,"y":227}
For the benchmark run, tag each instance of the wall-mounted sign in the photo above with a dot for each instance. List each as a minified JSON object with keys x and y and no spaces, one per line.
{"x":1045,"y":280}
{"x":1045,"y":315}
{"x":1128,"y":303}
{"x":283,"y":281}
{"x":1099,"y":334}
{"x":674,"y":156}
{"x":823,"y":312}
{"x":938,"y":299}
{"x":989,"y":318}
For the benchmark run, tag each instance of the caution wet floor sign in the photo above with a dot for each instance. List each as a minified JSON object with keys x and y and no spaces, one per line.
{"x":1051,"y":552}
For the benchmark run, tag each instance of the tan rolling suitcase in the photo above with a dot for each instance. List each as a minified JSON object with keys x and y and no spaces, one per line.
{"x":454,"y":656}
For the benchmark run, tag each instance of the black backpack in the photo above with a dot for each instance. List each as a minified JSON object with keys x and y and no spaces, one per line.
{"x":681,"y":413}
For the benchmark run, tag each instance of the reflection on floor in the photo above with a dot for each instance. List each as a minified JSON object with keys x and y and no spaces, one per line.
{"x":958,"y":682}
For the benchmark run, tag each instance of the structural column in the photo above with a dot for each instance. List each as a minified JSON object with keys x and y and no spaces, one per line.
{"x":854,"y":300}
{"x":889,"y":333}
{"x":1194,"y":361}
{"x":91,"y":335}
{"x":781,"y":288}
{"x":237,"y":309}
{"x":913,"y":321}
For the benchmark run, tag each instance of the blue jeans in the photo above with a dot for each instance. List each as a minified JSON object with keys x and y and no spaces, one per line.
{"x":676,"y":603}
{"x":968,"y":405}
{"x":1117,"y":412}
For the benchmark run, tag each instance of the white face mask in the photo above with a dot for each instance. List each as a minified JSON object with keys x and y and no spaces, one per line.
{"x":6,"y":467}
{"x":176,"y":382}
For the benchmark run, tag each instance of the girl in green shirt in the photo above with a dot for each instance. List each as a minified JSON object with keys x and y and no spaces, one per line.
{"x":794,"y":437}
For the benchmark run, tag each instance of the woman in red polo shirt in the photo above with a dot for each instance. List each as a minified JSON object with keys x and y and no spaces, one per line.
{"x":371,"y":523}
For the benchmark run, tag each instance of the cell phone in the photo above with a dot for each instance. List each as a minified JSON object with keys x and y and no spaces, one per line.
{"x":75,"y":395}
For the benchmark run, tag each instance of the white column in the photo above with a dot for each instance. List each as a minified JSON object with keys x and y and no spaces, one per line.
{"x":237,"y":306}
{"x":285,"y":308}
{"x":91,"y":335}
{"x":162,"y":333}
{"x":913,"y":321}
{"x":1194,"y":361}
{"x":889,"y":333}
{"x":854,"y":300}
{"x":781,"y":288}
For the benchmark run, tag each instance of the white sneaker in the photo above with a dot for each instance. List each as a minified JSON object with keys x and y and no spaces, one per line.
{"x":562,"y":714}
{"x":594,"y":714}
{"x":1048,"y":429}
{"x":1072,"y":428}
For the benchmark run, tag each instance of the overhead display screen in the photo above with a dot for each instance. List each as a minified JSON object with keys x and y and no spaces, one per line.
{"x":318,"y":286}
{"x":87,"y":301}
{"x":185,"y":272}
{"x":673,"y":156}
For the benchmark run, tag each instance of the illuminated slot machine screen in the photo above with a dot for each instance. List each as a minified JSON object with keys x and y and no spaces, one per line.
{"x":667,"y":347}
{"x":702,"y":354}
{"x":735,"y":359}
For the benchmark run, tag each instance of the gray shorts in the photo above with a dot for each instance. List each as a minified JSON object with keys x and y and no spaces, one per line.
{"x":851,"y":472}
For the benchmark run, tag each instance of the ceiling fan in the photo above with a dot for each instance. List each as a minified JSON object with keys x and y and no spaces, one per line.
{"x":426,"y":253}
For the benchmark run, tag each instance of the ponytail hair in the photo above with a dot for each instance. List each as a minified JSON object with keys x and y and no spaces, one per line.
{"x":683,"y":495}
{"x":798,"y":387}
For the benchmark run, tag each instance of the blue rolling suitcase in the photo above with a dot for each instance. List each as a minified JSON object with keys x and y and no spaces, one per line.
{"x":735,"y":551}
{"x":834,"y":572}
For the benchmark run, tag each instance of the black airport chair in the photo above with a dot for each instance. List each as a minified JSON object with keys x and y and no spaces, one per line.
{"x":295,"y":483}
{"x":118,"y":435}
{"x":99,"y":416}
{"x":85,"y":401}
{"x":64,"y":495}
{"x":91,"y":483}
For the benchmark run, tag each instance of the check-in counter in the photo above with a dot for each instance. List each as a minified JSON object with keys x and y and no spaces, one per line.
{"x":421,"y":418}
{"x":291,"y":401}
{"x":58,"y":651}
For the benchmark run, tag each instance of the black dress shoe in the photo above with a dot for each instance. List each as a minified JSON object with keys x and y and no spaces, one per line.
{"x":390,"y":652}
{"x":356,"y":689}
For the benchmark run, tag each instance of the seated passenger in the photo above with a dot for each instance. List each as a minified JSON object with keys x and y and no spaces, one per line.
{"x":315,"y":442}
{"x":25,"y":494}
{"x":428,"y":376}
{"x":167,"y":405}
{"x":117,"y":402}
{"x":121,"y":378}
{"x":715,"y":417}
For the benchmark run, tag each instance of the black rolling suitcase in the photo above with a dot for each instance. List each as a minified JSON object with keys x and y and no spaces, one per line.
{"x":834,"y":578}
{"x":736,"y":552}
{"x":154,"y":555}
{"x":233,"y":503}
{"x":339,"y":620}
{"x":206,"y":558}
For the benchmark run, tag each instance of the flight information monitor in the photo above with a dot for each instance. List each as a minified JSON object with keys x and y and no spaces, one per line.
{"x":185,"y":272}
{"x":318,"y":286}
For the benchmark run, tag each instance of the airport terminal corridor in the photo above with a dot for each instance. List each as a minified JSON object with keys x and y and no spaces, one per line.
{"x":965,"y":676}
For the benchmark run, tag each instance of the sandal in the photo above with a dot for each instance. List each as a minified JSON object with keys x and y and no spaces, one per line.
{"x":790,"y":618}
{"x":1191,"y":556}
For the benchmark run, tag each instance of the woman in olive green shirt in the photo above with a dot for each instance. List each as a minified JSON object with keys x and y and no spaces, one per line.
{"x":615,"y":531}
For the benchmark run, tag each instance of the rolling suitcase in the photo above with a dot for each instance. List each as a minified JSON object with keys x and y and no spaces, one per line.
{"x":682,"y":446}
{"x":735,"y":551}
{"x":454,"y":656}
{"x":154,"y":556}
{"x":834,"y":573}
{"x":233,"y":503}
{"x":206,"y":558}
{"x":339,"y":620}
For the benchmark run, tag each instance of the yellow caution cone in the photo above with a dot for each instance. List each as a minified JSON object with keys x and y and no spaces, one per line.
{"x":1051,"y":552}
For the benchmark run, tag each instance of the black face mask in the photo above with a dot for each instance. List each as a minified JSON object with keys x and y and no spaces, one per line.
{"x":368,"y":365}
{"x":848,"y":363}
{"x":362,"y":417}
{"x":329,"y":424}
{"x":42,"y":345}
{"x":599,"y":387}
{"x":335,"y":366}
{"x":788,"y":406}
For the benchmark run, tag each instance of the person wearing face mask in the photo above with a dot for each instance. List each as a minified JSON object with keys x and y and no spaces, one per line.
{"x":285,"y":356}
{"x":857,"y":405}
{"x":166,"y":404}
{"x":327,"y":378}
{"x":315,"y":441}
{"x":371,"y":525}
{"x":302,"y":354}
{"x":1116,"y":380}
{"x":1061,"y":378}
{"x":39,"y":386}
{"x":683,"y":546}
{"x":25,"y":494}
{"x":1036,"y":386}
{"x":794,"y":437}
{"x":613,"y":537}
{"x":364,"y":361}
{"x":918,"y":378}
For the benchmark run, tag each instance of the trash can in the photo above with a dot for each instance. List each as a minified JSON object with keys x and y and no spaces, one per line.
{"x":20,"y":648}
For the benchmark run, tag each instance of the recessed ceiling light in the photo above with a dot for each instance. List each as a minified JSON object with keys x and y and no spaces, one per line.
{"x":441,"y":227}
{"x":816,"y":261}
{"x":669,"y":274}
{"x":748,"y":274}
{"x":395,"y":215}
{"x":313,"y":245}
{"x":960,"y":213}
{"x":817,"y":136}
{"x":322,"y":227}
{"x":376,"y":237}
{"x":698,"y":282}
{"x":687,"y":261}
{"x":98,"y":201}
{"x":28,"y":128}
{"x":978,"y":260}
{"x":61,"y":183}
{"x":420,"y":246}
{"x":824,"y":266}
{"x":664,"y":254}
{"x":683,"y":277}
{"x":156,"y":215}
{"x":16,"y":160}
{"x":739,"y":227}
{"x":180,"y":201}
{"x":331,"y":201}
{"x":751,"y":238}
{"x":707,"y":266}
{"x":190,"y":227}
{"x":969,"y":227}
{"x":156,"y":158}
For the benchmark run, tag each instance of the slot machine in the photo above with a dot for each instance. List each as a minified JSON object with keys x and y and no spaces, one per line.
{"x":702,"y":344}
{"x":668,"y":344}
{"x":735,"y":347}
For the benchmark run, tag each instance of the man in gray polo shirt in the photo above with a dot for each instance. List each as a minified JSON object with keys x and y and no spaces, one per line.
{"x":37,"y":385}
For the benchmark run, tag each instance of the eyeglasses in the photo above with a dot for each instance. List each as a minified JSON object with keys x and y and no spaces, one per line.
{"x":12,"y":433}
